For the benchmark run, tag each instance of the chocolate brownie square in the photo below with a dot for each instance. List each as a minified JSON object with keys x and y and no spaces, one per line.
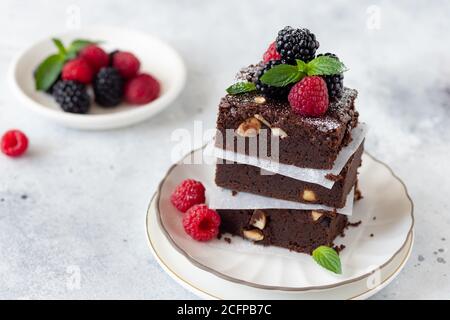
{"x":306,"y":142}
{"x":246,"y":178}
{"x":296,"y":230}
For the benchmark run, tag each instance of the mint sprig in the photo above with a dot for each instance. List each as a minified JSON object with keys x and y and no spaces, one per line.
{"x":328,"y":258}
{"x":324,"y":65}
{"x":284,"y":74}
{"x":241,"y":87}
{"x":49,"y":70}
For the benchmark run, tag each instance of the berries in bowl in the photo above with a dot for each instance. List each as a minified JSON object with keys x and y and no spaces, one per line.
{"x":124,"y":78}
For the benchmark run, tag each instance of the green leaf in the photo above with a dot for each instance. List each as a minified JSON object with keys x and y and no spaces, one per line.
{"x":48,"y":71}
{"x":328,"y":258}
{"x":241,"y":87}
{"x":301,"y":66}
{"x":281,"y":75}
{"x":325,"y":65}
{"x":58,"y":43}
{"x":77,"y":45}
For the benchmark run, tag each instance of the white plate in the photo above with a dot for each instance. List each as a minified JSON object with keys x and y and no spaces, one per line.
{"x":157,"y":58}
{"x":206,"y":285}
{"x":385,"y":212}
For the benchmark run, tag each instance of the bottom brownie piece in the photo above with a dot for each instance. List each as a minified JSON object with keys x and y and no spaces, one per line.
{"x":297,"y":230}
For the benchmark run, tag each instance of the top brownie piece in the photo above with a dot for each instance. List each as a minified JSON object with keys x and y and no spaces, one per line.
{"x":310,"y":142}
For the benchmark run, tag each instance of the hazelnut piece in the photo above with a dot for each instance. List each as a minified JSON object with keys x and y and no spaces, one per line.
{"x":316,"y":215}
{"x":254,"y":235}
{"x":259,"y":100}
{"x":309,"y":195}
{"x":258,"y":219}
{"x":249,"y":128}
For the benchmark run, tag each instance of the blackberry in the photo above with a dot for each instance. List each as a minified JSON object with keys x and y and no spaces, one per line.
{"x":108,"y":87}
{"x":335,"y":82}
{"x":295,"y":44}
{"x":71,"y":96}
{"x":270,"y":91}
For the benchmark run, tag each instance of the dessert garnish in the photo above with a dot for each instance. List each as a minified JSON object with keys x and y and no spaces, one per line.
{"x":115,"y":77}
{"x":309,"y":97}
{"x":271,"y":53}
{"x":14,"y":143}
{"x":286,"y":62}
{"x":187,"y":194}
{"x":50,"y":69}
{"x":328,"y":258}
{"x":201,"y":223}
{"x":108,"y":87}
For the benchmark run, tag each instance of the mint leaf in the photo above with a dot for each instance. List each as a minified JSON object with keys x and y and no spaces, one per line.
{"x":301,"y":66}
{"x":58,"y":43}
{"x":281,"y":75}
{"x":77,"y":45}
{"x":48,"y":71}
{"x":241,"y":87}
{"x":328,"y":258}
{"x":324,"y":65}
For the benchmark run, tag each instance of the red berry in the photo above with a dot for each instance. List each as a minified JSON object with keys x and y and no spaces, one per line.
{"x":309,"y":97}
{"x":142,"y":89}
{"x":271,"y":53}
{"x":77,"y":70}
{"x":190,"y":192}
{"x":95,"y":56}
{"x":201,"y":223}
{"x":14,"y":143}
{"x":127,"y":64}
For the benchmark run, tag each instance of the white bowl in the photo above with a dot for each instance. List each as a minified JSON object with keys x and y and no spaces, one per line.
{"x":157,"y":58}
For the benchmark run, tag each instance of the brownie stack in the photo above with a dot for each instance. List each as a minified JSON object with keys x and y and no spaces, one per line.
{"x":312,"y":143}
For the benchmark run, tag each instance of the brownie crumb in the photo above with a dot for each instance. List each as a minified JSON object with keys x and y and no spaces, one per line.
{"x":441,"y":250}
{"x":227,"y":240}
{"x":421,"y":258}
{"x":354,"y":224}
{"x":441,"y":260}
{"x":2,"y":200}
{"x":333,"y":177}
{"x":233,"y":193}
{"x":443,"y":239}
{"x":374,"y":218}
{"x":24,"y":197}
{"x":339,"y":248}
{"x":219,"y":236}
{"x":358,"y":195}
{"x":371,"y":235}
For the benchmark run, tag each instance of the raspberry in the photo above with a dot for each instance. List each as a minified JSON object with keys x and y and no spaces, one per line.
{"x":295,"y":44}
{"x":95,"y":56}
{"x":14,"y":143}
{"x":142,"y":89}
{"x":309,"y":97}
{"x":190,"y":192}
{"x":271,"y":53}
{"x":77,"y":70}
{"x":201,"y":223}
{"x":127,"y":64}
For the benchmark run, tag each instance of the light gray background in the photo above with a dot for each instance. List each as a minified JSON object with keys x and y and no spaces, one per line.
{"x":87,"y":192}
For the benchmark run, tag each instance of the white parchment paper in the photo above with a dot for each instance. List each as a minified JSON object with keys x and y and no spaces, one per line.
{"x":220,"y":198}
{"x":316,"y":176}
